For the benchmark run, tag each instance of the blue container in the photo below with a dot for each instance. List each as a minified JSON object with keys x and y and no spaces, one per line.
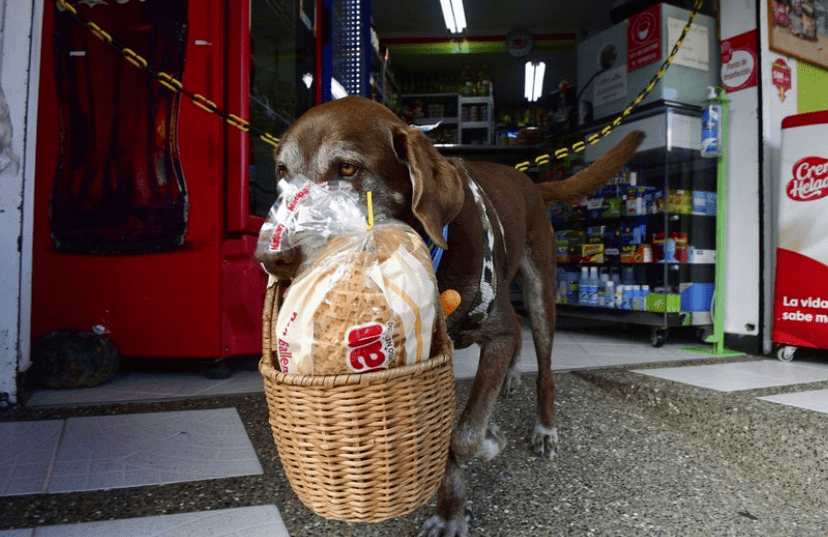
{"x":697,"y":297}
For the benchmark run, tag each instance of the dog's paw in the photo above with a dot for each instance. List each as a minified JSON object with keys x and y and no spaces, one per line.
{"x":473,"y":444}
{"x":437,"y":526}
{"x":493,"y":444}
{"x":545,"y":441}
{"x":512,"y":382}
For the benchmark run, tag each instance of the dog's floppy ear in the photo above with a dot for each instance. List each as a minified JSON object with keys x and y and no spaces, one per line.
{"x":437,"y":186}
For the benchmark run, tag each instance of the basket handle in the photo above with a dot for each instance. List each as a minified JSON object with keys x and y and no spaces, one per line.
{"x":270,"y":311}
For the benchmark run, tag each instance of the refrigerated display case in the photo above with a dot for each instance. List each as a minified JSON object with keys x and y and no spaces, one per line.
{"x":651,"y":233}
{"x":147,"y":207}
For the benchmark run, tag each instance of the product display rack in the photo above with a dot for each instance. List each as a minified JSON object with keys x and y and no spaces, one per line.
{"x":462,"y":120}
{"x":653,"y":231}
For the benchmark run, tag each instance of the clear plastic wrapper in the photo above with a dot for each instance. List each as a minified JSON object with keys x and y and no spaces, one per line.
{"x":307,"y":214}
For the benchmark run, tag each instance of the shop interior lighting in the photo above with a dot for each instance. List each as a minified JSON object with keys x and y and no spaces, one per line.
{"x":454,"y":14}
{"x":533,"y":83}
{"x":337,"y":90}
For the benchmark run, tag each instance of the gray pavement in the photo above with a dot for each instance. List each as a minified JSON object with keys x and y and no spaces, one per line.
{"x":639,"y":455}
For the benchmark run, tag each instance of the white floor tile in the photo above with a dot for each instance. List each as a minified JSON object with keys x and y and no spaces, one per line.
{"x":260,"y":521}
{"x":742,"y":375}
{"x":816,"y":400}
{"x":17,"y":533}
{"x":131,"y":450}
{"x":465,"y":362}
{"x":144,"y":386}
{"x":26,"y":453}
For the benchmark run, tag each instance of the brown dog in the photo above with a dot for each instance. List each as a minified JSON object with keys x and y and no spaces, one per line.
{"x":498,"y":228}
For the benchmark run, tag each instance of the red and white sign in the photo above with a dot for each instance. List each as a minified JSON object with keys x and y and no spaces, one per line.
{"x":781,"y":77}
{"x":810,"y":179}
{"x":644,"y":38}
{"x":801,"y":297}
{"x":739,"y":62}
{"x":370,"y":347}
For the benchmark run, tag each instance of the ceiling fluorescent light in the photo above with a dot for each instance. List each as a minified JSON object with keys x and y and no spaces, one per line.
{"x":537,"y":89}
{"x":454,"y":14}
{"x":533,"y":81}
{"x":528,"y":81}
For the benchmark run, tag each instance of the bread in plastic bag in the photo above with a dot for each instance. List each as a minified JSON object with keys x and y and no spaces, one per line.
{"x":367,"y":301}
{"x":305,"y":215}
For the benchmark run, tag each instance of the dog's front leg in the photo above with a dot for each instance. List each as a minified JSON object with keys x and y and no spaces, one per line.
{"x":452,"y":517}
{"x":474,"y":436}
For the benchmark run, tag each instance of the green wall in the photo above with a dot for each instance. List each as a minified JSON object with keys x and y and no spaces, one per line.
{"x":813,"y":87}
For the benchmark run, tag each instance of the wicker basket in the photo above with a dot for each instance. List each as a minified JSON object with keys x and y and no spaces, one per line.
{"x":361,"y":448}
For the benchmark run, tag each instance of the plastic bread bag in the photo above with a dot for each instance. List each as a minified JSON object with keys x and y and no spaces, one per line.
{"x":306,"y":215}
{"x":367,"y":302}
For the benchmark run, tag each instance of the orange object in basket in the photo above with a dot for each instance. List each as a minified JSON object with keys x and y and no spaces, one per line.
{"x":450,"y":300}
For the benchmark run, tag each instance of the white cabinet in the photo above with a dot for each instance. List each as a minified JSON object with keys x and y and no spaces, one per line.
{"x":476,"y":124}
{"x":452,"y":119}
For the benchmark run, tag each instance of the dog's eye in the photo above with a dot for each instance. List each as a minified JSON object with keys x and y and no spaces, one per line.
{"x":281,"y":171}
{"x":346,"y":169}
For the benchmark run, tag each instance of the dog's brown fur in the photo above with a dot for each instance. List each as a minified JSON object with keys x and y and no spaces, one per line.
{"x":363,"y":142}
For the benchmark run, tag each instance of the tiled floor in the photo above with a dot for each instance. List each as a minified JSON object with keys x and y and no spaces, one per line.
{"x":816,"y":400}
{"x":260,"y":521}
{"x":744,"y":375}
{"x":139,"y":384}
{"x":133,"y":450}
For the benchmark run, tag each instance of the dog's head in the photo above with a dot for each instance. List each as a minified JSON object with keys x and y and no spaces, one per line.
{"x":363,"y":142}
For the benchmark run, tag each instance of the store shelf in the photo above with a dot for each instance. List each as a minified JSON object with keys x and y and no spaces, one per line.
{"x":476,"y":124}
{"x":476,"y":119}
{"x":463,"y":120}
{"x":653,"y":229}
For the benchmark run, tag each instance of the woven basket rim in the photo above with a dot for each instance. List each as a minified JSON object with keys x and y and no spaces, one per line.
{"x":352,"y":379}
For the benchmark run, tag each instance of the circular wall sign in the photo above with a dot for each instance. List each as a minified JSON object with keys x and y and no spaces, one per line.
{"x":519,"y":43}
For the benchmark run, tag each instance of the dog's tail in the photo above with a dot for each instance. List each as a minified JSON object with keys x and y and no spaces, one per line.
{"x":588,"y":180}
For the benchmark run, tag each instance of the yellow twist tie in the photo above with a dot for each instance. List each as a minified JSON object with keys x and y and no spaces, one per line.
{"x":370,"y":211}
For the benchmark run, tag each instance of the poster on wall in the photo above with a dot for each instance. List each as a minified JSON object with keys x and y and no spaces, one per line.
{"x":799,"y":28}
{"x":739,"y":62}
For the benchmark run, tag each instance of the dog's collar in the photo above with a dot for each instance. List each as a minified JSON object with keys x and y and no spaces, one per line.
{"x":435,"y":251}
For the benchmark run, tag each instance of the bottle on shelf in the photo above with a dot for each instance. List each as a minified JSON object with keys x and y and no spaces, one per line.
{"x":609,"y":300}
{"x":466,"y":82}
{"x":620,"y":290}
{"x":636,"y":298}
{"x":645,"y":290}
{"x":583,"y":287}
{"x":592,"y":291}
{"x":711,"y":134}
{"x":484,"y":82}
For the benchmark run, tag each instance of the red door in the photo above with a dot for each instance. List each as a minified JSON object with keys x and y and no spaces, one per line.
{"x":120,"y":157}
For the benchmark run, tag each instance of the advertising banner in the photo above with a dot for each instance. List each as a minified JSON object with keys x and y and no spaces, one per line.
{"x":801,"y":293}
